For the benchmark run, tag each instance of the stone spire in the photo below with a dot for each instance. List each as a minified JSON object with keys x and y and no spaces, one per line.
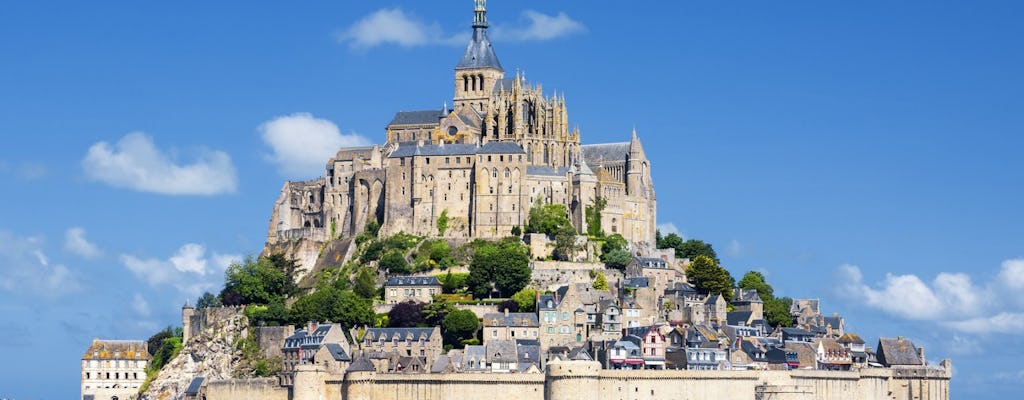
{"x":480,"y":14}
{"x":479,"y":53}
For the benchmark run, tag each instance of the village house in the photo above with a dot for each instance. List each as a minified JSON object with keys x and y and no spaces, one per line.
{"x":386,"y":347}
{"x":651,"y":342}
{"x":113,"y":369}
{"x":303,"y":345}
{"x":656,"y":270}
{"x":419,"y":289}
{"x":510,"y":326}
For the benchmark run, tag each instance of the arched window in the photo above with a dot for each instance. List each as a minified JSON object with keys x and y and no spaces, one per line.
{"x":494,"y":173}
{"x":529,"y":152}
{"x":474,"y":82}
{"x":547,"y":156}
{"x":508,"y":173}
{"x":465,"y":83}
{"x":481,"y":82}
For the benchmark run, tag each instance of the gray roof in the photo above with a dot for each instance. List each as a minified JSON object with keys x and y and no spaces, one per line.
{"x":580,"y":354}
{"x":747,"y":295}
{"x":735,"y":317}
{"x":636,"y":282}
{"x":544,"y":170}
{"x":505,"y":84}
{"x":502,"y":351}
{"x":511,"y":319}
{"x":479,"y":53}
{"x":195,"y":385}
{"x":475,"y":353}
{"x":796,"y":332}
{"x":337,"y":352}
{"x":897,"y":351}
{"x":597,"y":155}
{"x":413,"y":281}
{"x":408,"y":149}
{"x":648,"y":262}
{"x":713,"y":299}
{"x":528,"y":354}
{"x":361,"y":364}
{"x":388,"y":334}
{"x":421,"y":117}
{"x":559,"y":294}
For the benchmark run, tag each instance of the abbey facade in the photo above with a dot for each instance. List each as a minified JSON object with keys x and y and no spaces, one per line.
{"x":481,"y":163}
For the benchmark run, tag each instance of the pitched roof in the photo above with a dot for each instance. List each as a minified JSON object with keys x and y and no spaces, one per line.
{"x":897,"y":351}
{"x":337,"y":352}
{"x":421,"y":117}
{"x":361,"y":364}
{"x":413,"y":281}
{"x":511,"y":319}
{"x":502,"y":351}
{"x":648,"y":262}
{"x":409,"y":149}
{"x":544,"y":170}
{"x":117,"y":350}
{"x":736,"y":317}
{"x":389,"y":334}
{"x":479,"y":53}
{"x":596,"y":155}
{"x":851,"y":338}
{"x":747,"y":295}
{"x":195,"y":385}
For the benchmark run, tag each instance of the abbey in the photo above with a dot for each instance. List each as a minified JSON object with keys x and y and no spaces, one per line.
{"x":480,"y":164}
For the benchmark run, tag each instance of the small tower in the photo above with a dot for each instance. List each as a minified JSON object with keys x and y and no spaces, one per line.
{"x":479,"y":69}
{"x":187,"y":312}
{"x":636,"y":173}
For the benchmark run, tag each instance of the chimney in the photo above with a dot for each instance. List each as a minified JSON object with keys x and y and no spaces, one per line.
{"x":920,"y":354}
{"x":311,"y":326}
{"x":506,"y":311}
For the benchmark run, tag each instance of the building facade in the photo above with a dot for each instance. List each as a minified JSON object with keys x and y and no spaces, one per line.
{"x":419,"y":289}
{"x":482,"y":163}
{"x":114,"y":369}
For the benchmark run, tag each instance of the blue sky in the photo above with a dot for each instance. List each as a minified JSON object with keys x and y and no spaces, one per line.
{"x":865,"y":153}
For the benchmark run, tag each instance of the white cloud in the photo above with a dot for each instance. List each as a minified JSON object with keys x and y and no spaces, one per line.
{"x":140,"y":305}
{"x":1003,"y":323}
{"x":75,"y":242}
{"x":667,"y":228}
{"x":1012,"y":273}
{"x":135,"y":163}
{"x":394,"y":26}
{"x":301,"y":144}
{"x":27,"y":269}
{"x":909,"y":297}
{"x":539,"y":26}
{"x":188,"y":270}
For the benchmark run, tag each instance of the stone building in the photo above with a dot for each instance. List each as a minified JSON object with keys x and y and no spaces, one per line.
{"x":420,"y":289}
{"x":114,"y":369}
{"x":510,"y":326}
{"x":303,"y":346}
{"x":481,"y":163}
{"x":385,"y":347}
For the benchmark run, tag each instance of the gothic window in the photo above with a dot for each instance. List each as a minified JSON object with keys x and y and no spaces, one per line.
{"x":494,"y":173}
{"x":508,"y":173}
{"x":547,"y":157}
{"x":529,"y":152}
{"x":465,"y":83}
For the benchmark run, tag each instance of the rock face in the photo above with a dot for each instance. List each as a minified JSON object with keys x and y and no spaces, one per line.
{"x":210,"y":354}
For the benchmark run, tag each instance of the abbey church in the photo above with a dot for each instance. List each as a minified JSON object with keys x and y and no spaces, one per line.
{"x":482,"y":163}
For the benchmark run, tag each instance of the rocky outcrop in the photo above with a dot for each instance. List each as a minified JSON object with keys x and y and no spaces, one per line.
{"x":211,"y":354}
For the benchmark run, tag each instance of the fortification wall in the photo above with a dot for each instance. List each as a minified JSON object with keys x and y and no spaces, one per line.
{"x":252,"y":389}
{"x":549,"y":275}
{"x":373,"y":386}
{"x":271,"y":339}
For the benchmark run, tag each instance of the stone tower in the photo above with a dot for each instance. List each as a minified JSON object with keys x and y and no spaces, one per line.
{"x":637,"y":167}
{"x":187,"y":311}
{"x":479,"y":69}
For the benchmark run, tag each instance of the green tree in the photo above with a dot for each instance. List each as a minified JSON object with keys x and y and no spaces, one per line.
{"x":434,"y":313}
{"x":394,"y":262}
{"x":706,"y":275}
{"x":256,"y":282}
{"x":406,"y":315}
{"x":565,"y":246}
{"x":672,"y":241}
{"x":453,"y":282}
{"x":600,"y":282}
{"x":273,"y":314}
{"x":442,"y":222}
{"x":365,"y":284}
{"x":505,"y":266}
{"x":755,"y":280}
{"x":207,"y":300}
{"x":459,"y":325}
{"x":517,"y":231}
{"x":612,"y":243}
{"x":618,"y":259}
{"x":332,"y":304}
{"x":373,"y":252}
{"x":593,"y":216}
{"x":527,"y":300}
{"x":776,"y":312}
{"x":549,"y":219}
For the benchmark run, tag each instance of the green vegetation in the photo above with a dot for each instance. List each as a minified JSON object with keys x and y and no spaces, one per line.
{"x":394,"y":262}
{"x":365,"y":284}
{"x":503,"y":266}
{"x":707,"y":276}
{"x":254,"y":362}
{"x":549,"y":219}
{"x":526,"y":299}
{"x":442,"y":223}
{"x":776,"y":310}
{"x":262,"y":281}
{"x":600,"y":282}
{"x":453,"y":282}
{"x":207,"y":300}
{"x":612,"y":243}
{"x":333,"y":304}
{"x":686,"y":249}
{"x":593,"y":216}
{"x":460,"y":327}
{"x":433,"y":254}
{"x":164,"y":346}
{"x":617,"y":259}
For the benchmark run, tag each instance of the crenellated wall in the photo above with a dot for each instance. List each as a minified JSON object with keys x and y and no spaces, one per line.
{"x":571,"y":380}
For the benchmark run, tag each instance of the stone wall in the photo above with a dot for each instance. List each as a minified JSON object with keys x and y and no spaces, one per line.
{"x":252,"y":389}
{"x":271,"y":339}
{"x":549,"y":275}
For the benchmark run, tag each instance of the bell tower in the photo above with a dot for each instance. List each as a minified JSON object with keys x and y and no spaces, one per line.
{"x":479,"y":68}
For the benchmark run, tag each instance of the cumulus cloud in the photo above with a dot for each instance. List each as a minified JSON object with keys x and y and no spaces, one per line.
{"x":188,"y":270}
{"x":1003,"y":323}
{"x":667,"y":228}
{"x":135,"y":163}
{"x":395,"y":26}
{"x":539,"y":26}
{"x":75,"y":242}
{"x":26,"y":268}
{"x":301,"y":144}
{"x":1012,"y":273}
{"x":140,"y":305}
{"x":907,"y":296}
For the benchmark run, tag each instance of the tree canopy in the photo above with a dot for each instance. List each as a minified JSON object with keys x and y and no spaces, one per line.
{"x":706,"y":275}
{"x":258,"y":281}
{"x":332,"y":304}
{"x":600,"y":282}
{"x":527,"y":300}
{"x":460,"y":326}
{"x":776,"y":310}
{"x":406,"y":315}
{"x":549,"y":219}
{"x":755,"y":280}
{"x":687,"y":249}
{"x":617,"y":259}
{"x":365,"y":284}
{"x":504,"y":265}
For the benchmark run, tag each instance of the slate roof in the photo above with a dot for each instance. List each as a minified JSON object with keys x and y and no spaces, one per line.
{"x":527,"y":354}
{"x":511,"y":319}
{"x":596,"y":155}
{"x":502,"y":351}
{"x":389,"y":334}
{"x":361,"y":364}
{"x":580,"y":354}
{"x":421,"y":117}
{"x":194,"y":386}
{"x":409,"y":149}
{"x":851,"y":338}
{"x":713,"y":299}
{"x":805,"y":353}
{"x":897,"y":351}
{"x":797,"y":332}
{"x":504,"y":84}
{"x":559,"y":295}
{"x":479,"y":53}
{"x":835,"y":322}
{"x":636,"y":282}
{"x":738,"y":317}
{"x":544,"y":170}
{"x":337,"y":352}
{"x":476,"y":353}
{"x":647,"y":262}
{"x":747,"y":295}
{"x":413,"y":281}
